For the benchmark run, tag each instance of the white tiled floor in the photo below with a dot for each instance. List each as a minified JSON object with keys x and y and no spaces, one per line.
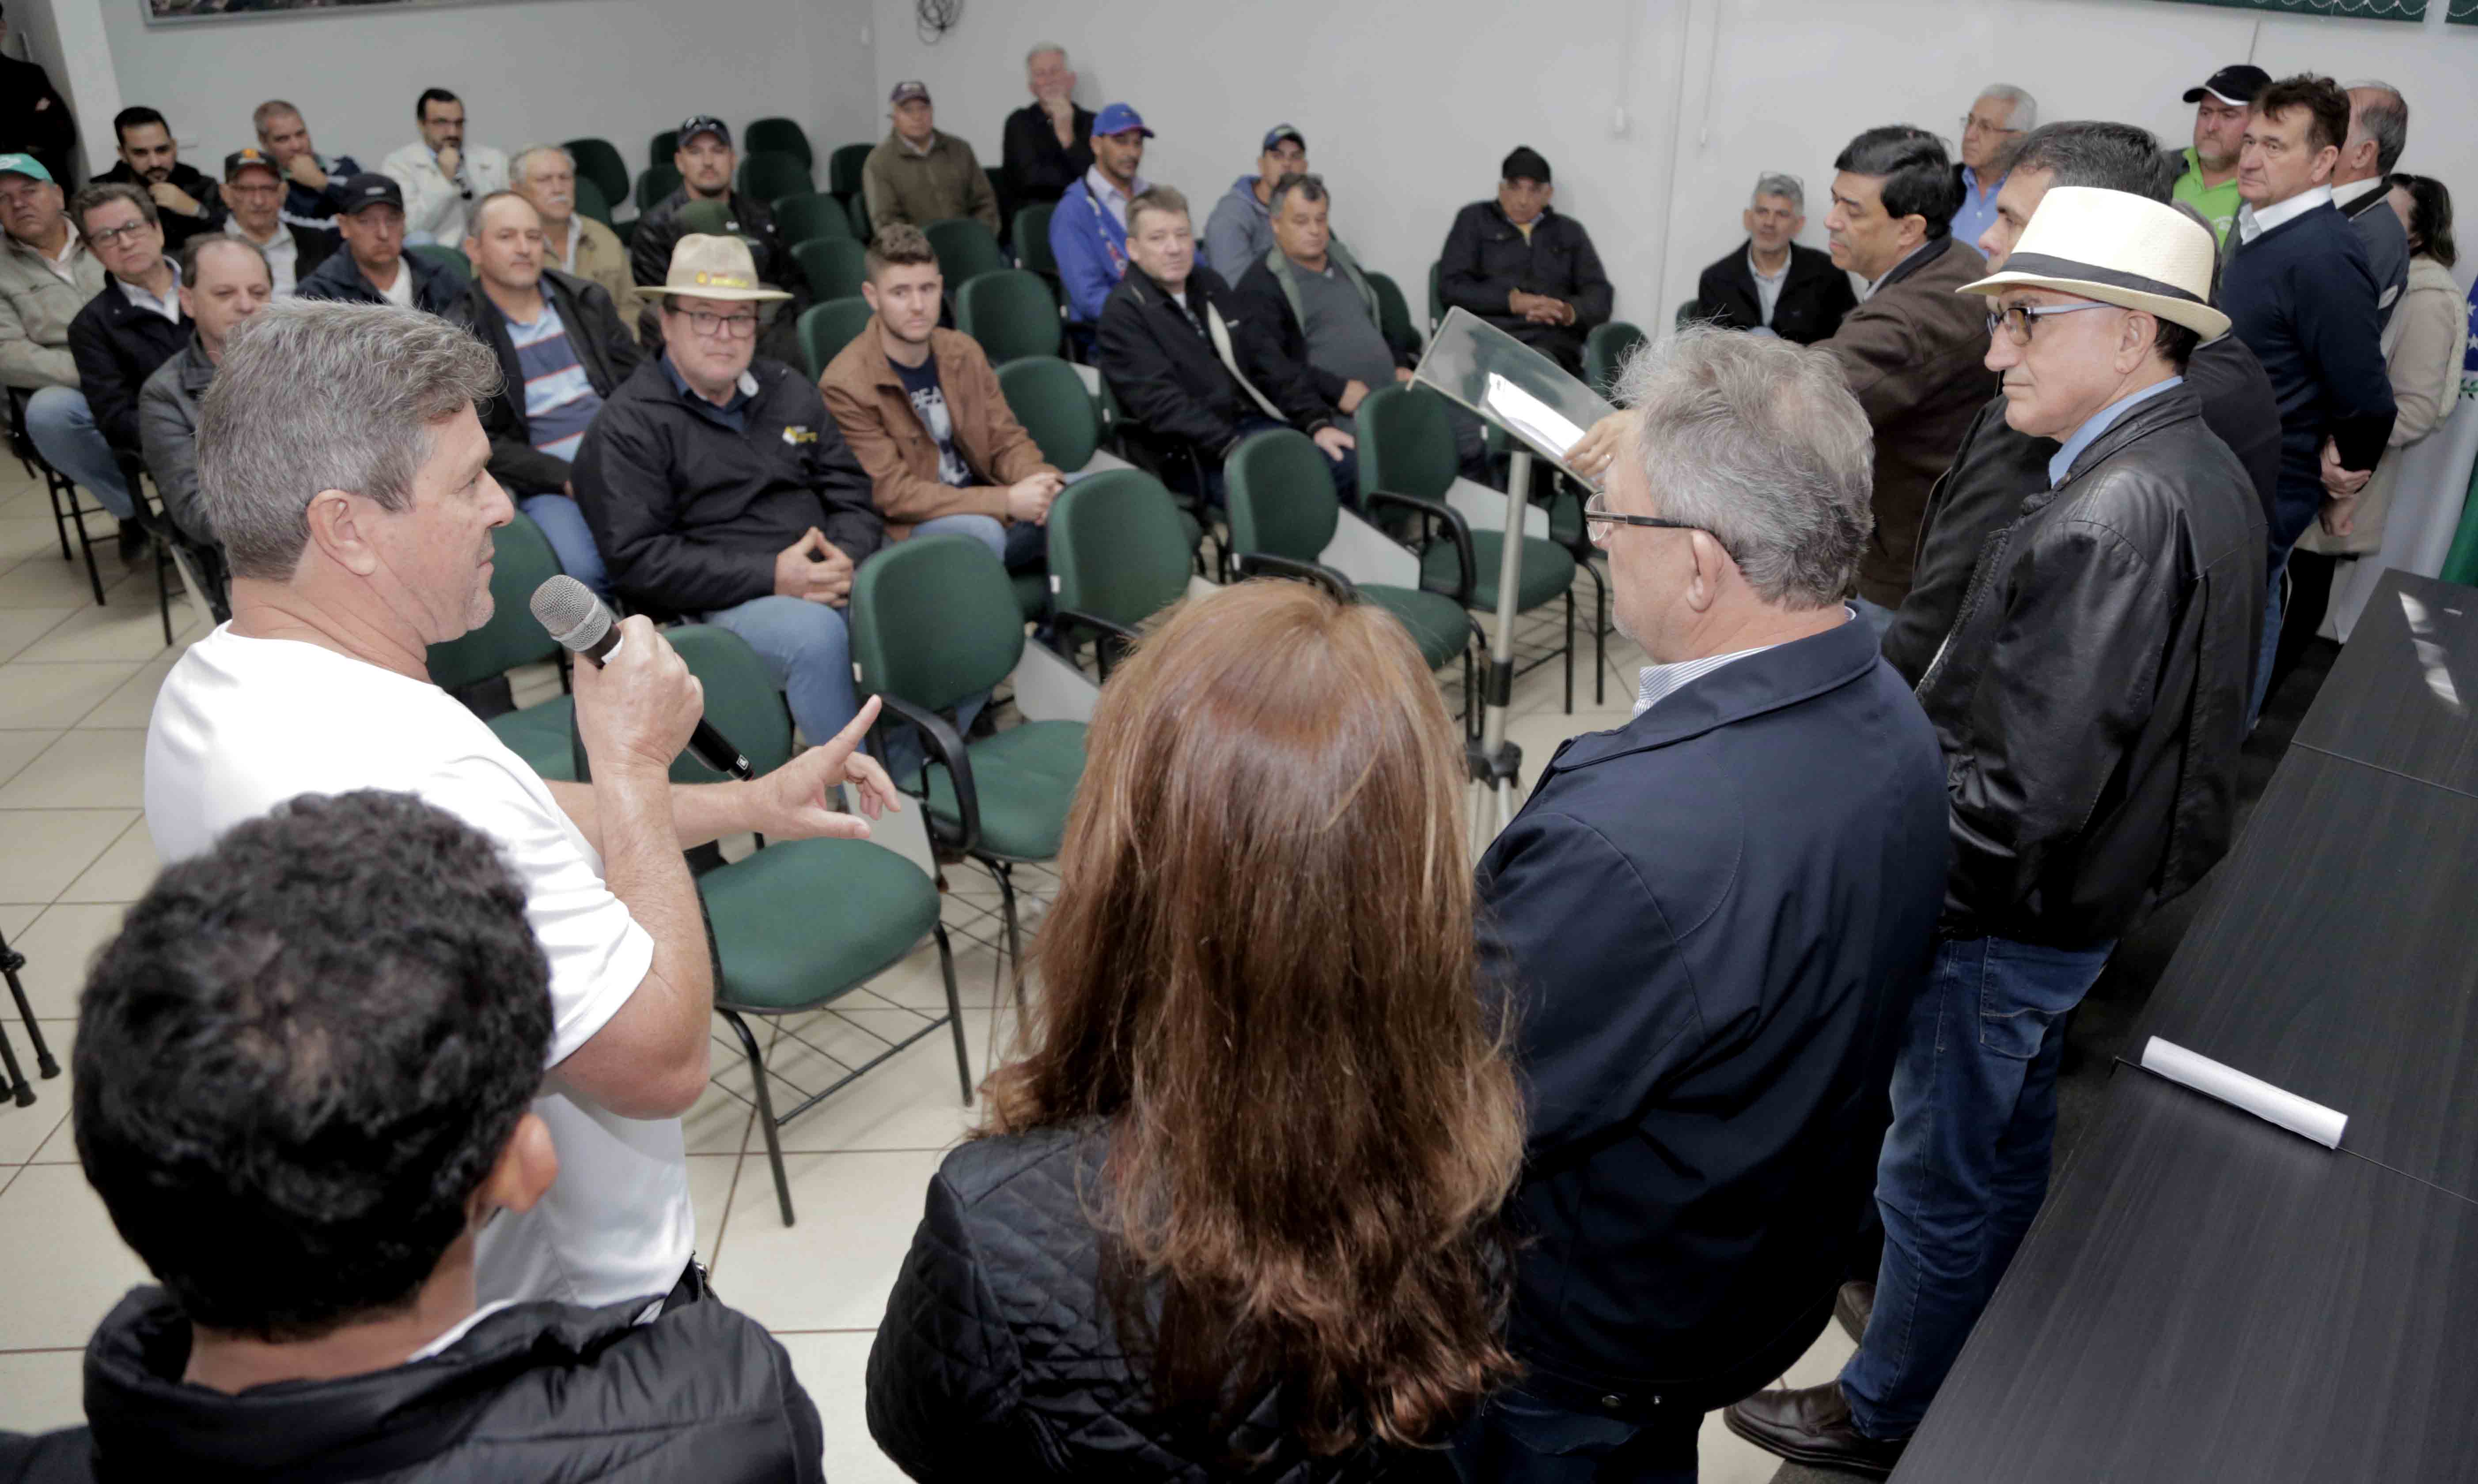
{"x":76,"y":685}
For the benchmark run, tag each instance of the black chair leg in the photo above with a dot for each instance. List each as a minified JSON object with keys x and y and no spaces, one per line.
{"x":1014,"y":932}
{"x":764,"y":1111}
{"x":955,"y":1014}
{"x":1570,"y":650}
{"x":19,"y":1089}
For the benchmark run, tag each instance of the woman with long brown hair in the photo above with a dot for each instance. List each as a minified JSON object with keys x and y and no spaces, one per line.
{"x":1235,"y":1212}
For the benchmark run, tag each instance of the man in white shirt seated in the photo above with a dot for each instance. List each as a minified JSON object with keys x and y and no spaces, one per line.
{"x":341,"y":460}
{"x":441,"y":176}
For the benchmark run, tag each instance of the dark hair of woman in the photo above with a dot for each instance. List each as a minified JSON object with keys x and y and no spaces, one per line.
{"x":2430,"y":217}
{"x":1260,"y":972}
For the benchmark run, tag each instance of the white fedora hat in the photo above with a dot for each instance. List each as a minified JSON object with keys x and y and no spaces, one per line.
{"x":712,"y":267}
{"x":2118,"y":249}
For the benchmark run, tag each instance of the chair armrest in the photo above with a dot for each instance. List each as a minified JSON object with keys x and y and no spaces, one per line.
{"x":1104,"y":631}
{"x":947,"y":748}
{"x":1456,"y":527}
{"x":1252,"y":564}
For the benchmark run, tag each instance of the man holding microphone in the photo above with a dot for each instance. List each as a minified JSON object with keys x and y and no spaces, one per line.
{"x":342,"y":461}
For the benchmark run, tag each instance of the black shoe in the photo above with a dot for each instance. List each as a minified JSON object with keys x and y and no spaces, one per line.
{"x":1811,"y":1426}
{"x":135,"y":545}
{"x":1853,"y":1306}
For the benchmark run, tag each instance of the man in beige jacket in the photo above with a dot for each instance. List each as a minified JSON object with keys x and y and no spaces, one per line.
{"x":546,"y":175}
{"x":47,"y":275}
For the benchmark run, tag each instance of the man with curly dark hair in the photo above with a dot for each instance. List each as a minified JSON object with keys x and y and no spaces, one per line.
{"x":306,"y":1069}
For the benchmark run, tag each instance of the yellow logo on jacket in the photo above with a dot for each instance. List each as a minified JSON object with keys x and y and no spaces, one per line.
{"x":796,"y":436}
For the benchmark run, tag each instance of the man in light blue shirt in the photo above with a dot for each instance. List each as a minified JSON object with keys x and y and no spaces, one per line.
{"x":1997,"y":120}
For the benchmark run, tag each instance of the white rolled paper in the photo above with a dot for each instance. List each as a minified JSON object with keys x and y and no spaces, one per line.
{"x":2271,"y":1104}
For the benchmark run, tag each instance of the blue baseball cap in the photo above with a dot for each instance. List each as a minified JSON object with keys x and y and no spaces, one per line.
{"x":1119,"y":118}
{"x":32,"y":169}
{"x":1277,"y":134}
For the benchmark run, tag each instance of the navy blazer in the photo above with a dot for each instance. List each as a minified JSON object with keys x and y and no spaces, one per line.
{"x":1712,"y":922}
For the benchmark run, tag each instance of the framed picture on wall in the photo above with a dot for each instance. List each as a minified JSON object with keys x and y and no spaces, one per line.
{"x":167,"y":13}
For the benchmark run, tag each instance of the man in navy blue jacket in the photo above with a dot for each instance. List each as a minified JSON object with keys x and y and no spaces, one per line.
{"x":2299,"y":290}
{"x":1711,"y":923}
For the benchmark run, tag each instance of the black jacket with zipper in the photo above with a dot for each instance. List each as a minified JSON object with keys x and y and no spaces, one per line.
{"x":1813,"y":299}
{"x":2093,"y":696}
{"x":434,"y":289}
{"x":1277,"y":341}
{"x":540,"y":1392}
{"x":117,"y":344}
{"x":1170,"y":381}
{"x":603,"y":350}
{"x":1487,"y":256}
{"x":690,"y":515}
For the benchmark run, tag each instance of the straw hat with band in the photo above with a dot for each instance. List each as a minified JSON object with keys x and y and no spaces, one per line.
{"x":712,"y":267}
{"x":2120,"y":249}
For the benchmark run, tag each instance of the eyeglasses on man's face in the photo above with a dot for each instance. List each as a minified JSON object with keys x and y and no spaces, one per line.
{"x":1599,"y":520}
{"x":113,"y":237}
{"x":1971,"y":121}
{"x":2018,"y":321}
{"x":714,"y":326}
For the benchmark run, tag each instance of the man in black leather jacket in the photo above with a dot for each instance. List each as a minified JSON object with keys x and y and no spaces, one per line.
{"x":2090,"y":701}
{"x":305,"y":1078}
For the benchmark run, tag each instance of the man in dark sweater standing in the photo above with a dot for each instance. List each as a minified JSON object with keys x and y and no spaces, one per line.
{"x":2301,"y":293}
{"x":1049,"y":143}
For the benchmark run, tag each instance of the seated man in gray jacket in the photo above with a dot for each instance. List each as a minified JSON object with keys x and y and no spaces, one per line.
{"x":224,"y":280}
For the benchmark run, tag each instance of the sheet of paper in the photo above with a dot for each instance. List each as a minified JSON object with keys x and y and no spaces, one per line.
{"x":2272,"y":1104}
{"x":1530,"y":419}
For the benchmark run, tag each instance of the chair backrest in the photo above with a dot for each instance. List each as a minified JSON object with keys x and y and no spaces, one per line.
{"x":1031,"y":236}
{"x":1406,"y":445}
{"x":825,"y":328}
{"x":1436,"y":297}
{"x":934,"y":620}
{"x":1281,"y":495}
{"x":781,"y":135}
{"x":966,"y":250}
{"x":1606,"y":349}
{"x":1117,"y":550}
{"x":856,"y":215}
{"x":663,"y":146}
{"x":710,"y":217}
{"x":657,"y":182}
{"x":599,"y":160}
{"x":833,"y":265}
{"x":452,"y":259}
{"x":1689,"y":311}
{"x":1048,"y":398}
{"x":768,"y":176}
{"x":843,"y":165}
{"x":1011,"y":313}
{"x":810,"y":214}
{"x":590,"y":201}
{"x":522,"y":560}
{"x":1393,"y":314}
{"x":742,"y":700}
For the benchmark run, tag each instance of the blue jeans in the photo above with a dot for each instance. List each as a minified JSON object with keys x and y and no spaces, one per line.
{"x":572,"y":540}
{"x":1023,"y":546}
{"x":1518,"y":1438}
{"x":1966,"y":1163}
{"x":807,"y":647}
{"x":64,"y":433}
{"x":2273,"y":608}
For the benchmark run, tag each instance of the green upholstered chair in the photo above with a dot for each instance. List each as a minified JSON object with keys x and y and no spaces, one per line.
{"x":809,"y":214}
{"x":1393,"y":314}
{"x":856,"y":215}
{"x":660,"y":149}
{"x":1605,"y":350}
{"x":1688,"y":312}
{"x":833,"y":267}
{"x":801,"y":924}
{"x":1010,"y":311}
{"x":843,"y":167}
{"x":1436,"y":297}
{"x":966,"y":250}
{"x":1048,"y":396}
{"x":1406,"y":448}
{"x":592,"y":202}
{"x":778,"y":135}
{"x":765,"y":176}
{"x":657,"y":181}
{"x":599,"y":160}
{"x":1283,"y":512}
{"x":825,"y":328}
{"x":452,"y":259}
{"x":1032,"y":239}
{"x":1120,"y":550}
{"x":543,"y":735}
{"x":933,"y":623}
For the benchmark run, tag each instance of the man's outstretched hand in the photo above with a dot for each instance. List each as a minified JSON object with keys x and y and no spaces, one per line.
{"x":793,"y":800}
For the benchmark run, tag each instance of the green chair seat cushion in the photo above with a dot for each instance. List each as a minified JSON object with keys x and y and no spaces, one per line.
{"x":805,"y":921}
{"x":1025,"y":777}
{"x":538,"y":734}
{"x":1436,"y":626}
{"x":1548,"y":570}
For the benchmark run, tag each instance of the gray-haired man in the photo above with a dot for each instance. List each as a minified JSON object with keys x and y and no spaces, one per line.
{"x":2378,"y":134}
{"x":1998,"y":118}
{"x":546,"y":175}
{"x":1709,"y":923}
{"x":1770,"y":284}
{"x":341,"y":460}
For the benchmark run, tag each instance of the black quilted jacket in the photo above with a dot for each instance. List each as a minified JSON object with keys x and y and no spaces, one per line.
{"x":998,"y":1359}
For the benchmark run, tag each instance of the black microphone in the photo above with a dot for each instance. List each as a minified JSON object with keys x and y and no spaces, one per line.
{"x":584,"y":626}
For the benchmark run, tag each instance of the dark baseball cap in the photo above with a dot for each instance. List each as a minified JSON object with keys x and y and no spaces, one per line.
{"x":371,"y":189}
{"x":705,"y":123}
{"x":909,"y":93}
{"x":1277,"y":134}
{"x":2236,"y":85}
{"x":1525,"y":163}
{"x":250,"y":157}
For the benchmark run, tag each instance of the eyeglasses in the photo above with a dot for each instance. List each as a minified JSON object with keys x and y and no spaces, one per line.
{"x":712,"y":326}
{"x":1970,"y":121}
{"x":2019,"y":319}
{"x":1599,"y":519}
{"x":113,"y":237}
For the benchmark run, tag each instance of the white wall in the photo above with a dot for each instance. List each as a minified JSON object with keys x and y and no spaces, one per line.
{"x":1408,"y":105}
{"x":535,"y":70}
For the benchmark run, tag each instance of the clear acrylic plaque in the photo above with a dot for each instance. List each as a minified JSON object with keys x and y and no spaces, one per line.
{"x":1511,"y":385}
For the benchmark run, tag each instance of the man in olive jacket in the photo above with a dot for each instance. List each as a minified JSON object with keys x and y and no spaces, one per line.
{"x":1912,"y":349}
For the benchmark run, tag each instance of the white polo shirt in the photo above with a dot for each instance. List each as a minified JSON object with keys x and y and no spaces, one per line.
{"x":243,"y":724}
